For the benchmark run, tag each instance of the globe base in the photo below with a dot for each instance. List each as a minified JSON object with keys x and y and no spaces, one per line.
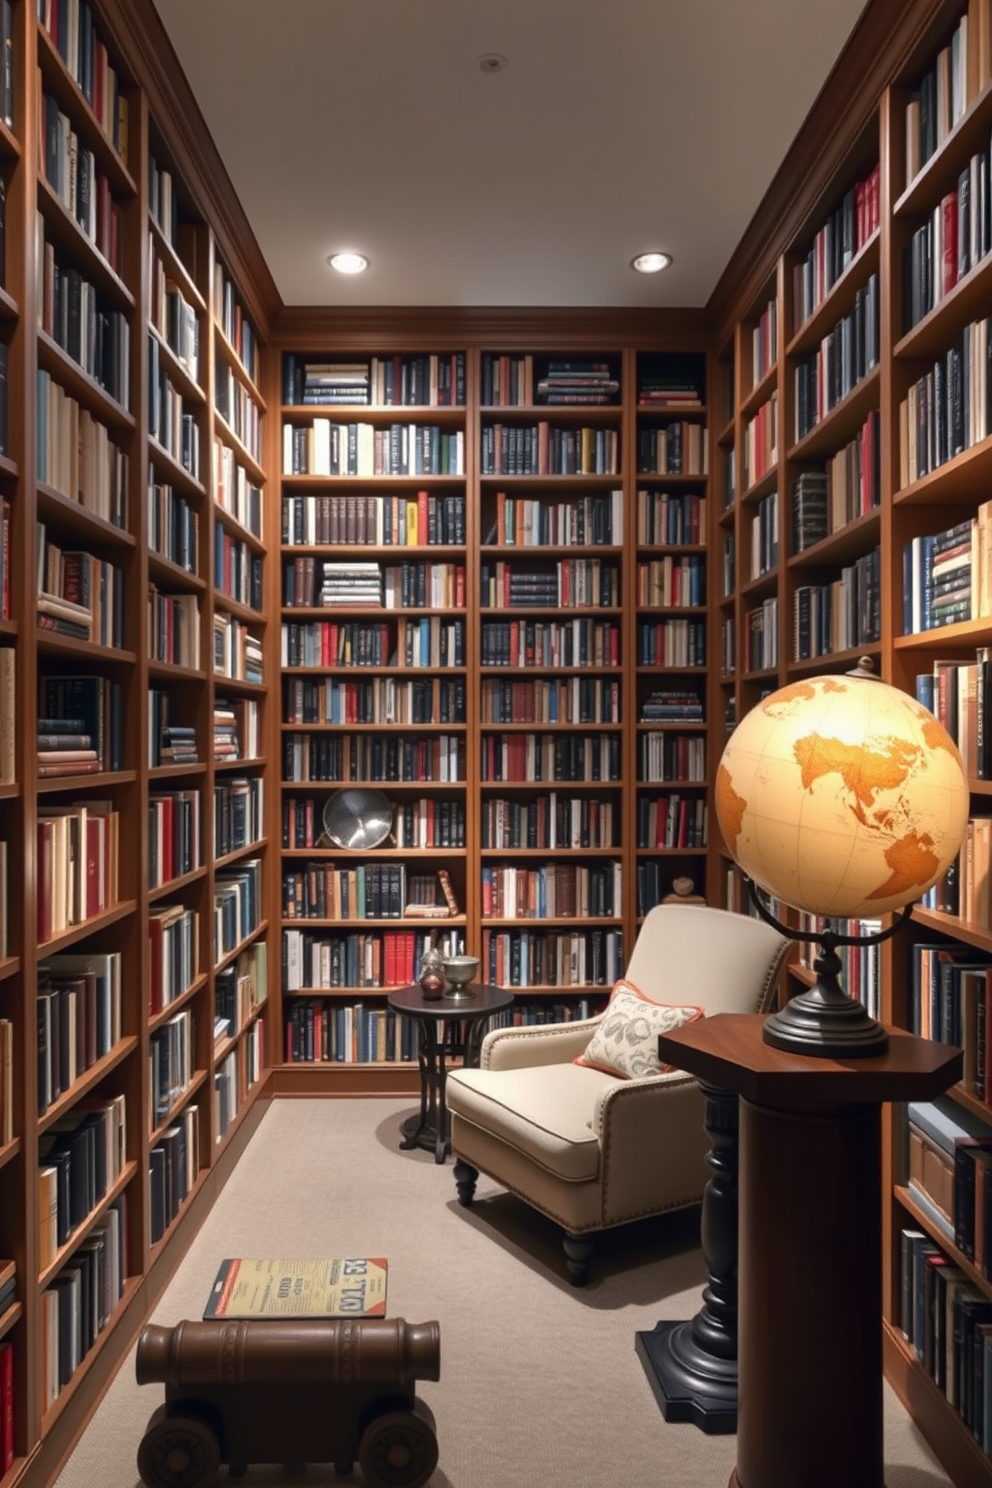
{"x":837,"y":1029}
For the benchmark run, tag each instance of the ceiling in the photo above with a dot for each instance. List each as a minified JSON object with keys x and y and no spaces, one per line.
{"x":615,"y":128}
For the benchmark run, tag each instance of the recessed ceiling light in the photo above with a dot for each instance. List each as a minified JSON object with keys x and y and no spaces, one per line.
{"x":493,"y":62}
{"x":349,"y":263}
{"x":651,"y":263}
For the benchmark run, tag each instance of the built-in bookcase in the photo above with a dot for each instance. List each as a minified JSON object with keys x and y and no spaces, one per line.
{"x":118,"y":828}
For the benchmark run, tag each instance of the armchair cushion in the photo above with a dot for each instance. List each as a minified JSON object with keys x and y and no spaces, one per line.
{"x":625,"y":1041}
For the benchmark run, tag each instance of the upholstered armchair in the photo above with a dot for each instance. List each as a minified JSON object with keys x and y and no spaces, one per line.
{"x":588,"y":1147}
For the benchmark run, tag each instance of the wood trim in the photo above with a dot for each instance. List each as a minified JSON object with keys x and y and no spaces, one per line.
{"x":497,"y":328}
{"x":888,"y":37}
{"x":142,"y":39}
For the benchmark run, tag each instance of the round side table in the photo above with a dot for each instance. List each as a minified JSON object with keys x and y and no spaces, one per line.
{"x":447,"y":1028}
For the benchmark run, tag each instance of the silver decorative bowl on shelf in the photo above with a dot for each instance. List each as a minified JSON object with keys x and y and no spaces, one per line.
{"x":459,"y":971}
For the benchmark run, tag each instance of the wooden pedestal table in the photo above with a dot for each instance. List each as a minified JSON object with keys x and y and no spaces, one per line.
{"x":449,"y":1027}
{"x":809,"y":1412}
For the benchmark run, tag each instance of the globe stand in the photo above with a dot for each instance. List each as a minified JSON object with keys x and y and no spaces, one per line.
{"x":824,"y":1021}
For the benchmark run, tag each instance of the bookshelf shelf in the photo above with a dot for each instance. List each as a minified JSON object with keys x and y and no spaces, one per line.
{"x":184,"y":998}
{"x":51,"y":1417}
{"x":840,"y":424}
{"x":86,"y":1082}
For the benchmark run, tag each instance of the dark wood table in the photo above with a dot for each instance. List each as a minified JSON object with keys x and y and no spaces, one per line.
{"x":450,"y":1027}
{"x":809,"y":1411}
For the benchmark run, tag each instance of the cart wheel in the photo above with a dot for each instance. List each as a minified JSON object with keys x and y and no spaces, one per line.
{"x":398,"y":1450}
{"x":178,"y":1452}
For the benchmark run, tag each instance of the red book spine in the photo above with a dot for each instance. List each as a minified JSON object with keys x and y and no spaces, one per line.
{"x":949,"y":233}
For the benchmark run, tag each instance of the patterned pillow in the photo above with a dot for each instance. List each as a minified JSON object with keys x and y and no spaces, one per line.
{"x":625,"y":1042}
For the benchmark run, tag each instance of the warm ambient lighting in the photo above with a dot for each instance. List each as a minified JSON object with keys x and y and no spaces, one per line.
{"x":843,"y":797}
{"x":349,"y":263}
{"x":651,"y":263}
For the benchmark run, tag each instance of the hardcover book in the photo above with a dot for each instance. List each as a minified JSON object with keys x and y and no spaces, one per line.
{"x":343,"y":1287}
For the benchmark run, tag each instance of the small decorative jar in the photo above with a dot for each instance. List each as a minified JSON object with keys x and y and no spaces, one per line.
{"x":432,"y":974}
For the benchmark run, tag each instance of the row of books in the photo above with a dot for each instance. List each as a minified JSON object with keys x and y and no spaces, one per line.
{"x":234,"y":321}
{"x":82,"y":705}
{"x":579,"y":382}
{"x":63,"y":748}
{"x":542,"y":449}
{"x":237,"y":651}
{"x":238,"y":814}
{"x":78,"y":854}
{"x":949,"y":997}
{"x":561,"y":890}
{"x":430,"y":641}
{"x":671,"y":518}
{"x":426,"y":822}
{"x":842,"y":236}
{"x":173,"y":524}
{"x":79,"y":595}
{"x":550,"y":958}
{"x":415,"y":584}
{"x":429,"y":519}
{"x":676,"y":448}
{"x":959,"y":73}
{"x":949,"y":1157}
{"x":527,"y":522}
{"x":174,"y":835}
{"x":860,"y":974}
{"x":376,"y":700}
{"x":844,"y":357}
{"x":947,"y":577}
{"x":552,"y":822}
{"x":550,"y":643}
{"x":237,"y":906}
{"x":565,"y":700}
{"x":241,"y":989}
{"x":80,"y":1158}
{"x":764,"y":536}
{"x":73,"y":31}
{"x":78,"y":1018}
{"x":322,"y":891}
{"x":173,"y":628}
{"x":436,"y":380}
{"x":764,"y":342}
{"x":235,"y":490}
{"x":945,"y":1319}
{"x":572,"y":583}
{"x":760,"y":638}
{"x":170,"y":1065}
{"x":377,"y":757}
{"x":671,"y":643}
{"x":671,"y":756}
{"x":827,"y":618}
{"x":672,"y":582}
{"x":550,"y":757}
{"x":237,"y":729}
{"x":172,"y":315}
{"x":172,"y":1169}
{"x":237,"y":569}
{"x":79,"y":1302}
{"x":954,"y":238}
{"x":172,"y":422}
{"x":374,"y":959}
{"x":949,"y":408}
{"x":847,"y":487}
{"x":761,"y":440}
{"x":75,"y":452}
{"x":675,"y":821}
{"x":237,"y":407}
{"x":173,"y":953}
{"x":671,"y":704}
{"x":326,"y":448}
{"x":960,"y":694}
{"x":76,"y":316}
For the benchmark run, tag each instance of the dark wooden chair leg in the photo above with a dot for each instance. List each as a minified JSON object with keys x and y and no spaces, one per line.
{"x":579,"y":1250}
{"x":466,"y":1177}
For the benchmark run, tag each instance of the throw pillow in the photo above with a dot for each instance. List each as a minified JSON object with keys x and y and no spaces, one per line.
{"x":625,"y":1042}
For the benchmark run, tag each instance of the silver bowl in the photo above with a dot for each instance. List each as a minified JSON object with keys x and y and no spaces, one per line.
{"x":459,"y":971}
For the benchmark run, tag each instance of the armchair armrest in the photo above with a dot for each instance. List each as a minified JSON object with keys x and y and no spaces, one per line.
{"x":653,"y":1143}
{"x":544,"y":1043}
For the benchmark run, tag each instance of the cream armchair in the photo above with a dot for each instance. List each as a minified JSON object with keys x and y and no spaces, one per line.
{"x":588,"y":1148}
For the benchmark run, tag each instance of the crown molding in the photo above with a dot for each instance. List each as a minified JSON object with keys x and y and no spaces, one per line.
{"x":496,"y":327}
{"x":889,"y":35}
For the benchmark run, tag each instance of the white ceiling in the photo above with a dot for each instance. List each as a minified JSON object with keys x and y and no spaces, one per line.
{"x":617,"y":127}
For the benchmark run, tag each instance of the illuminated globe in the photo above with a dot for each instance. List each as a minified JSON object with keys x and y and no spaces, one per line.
{"x":842,"y":796}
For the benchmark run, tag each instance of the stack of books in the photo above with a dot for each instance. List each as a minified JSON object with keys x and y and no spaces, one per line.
{"x":177,"y":745}
{"x":351,"y":584}
{"x":578,"y":383}
{"x":667,"y":392}
{"x":226,"y":745}
{"x":672,"y":704}
{"x":65,"y":748}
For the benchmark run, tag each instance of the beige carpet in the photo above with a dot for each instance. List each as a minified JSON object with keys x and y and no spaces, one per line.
{"x":540,"y":1386}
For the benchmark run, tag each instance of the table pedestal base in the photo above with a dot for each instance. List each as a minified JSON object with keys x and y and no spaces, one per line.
{"x":689,"y":1384}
